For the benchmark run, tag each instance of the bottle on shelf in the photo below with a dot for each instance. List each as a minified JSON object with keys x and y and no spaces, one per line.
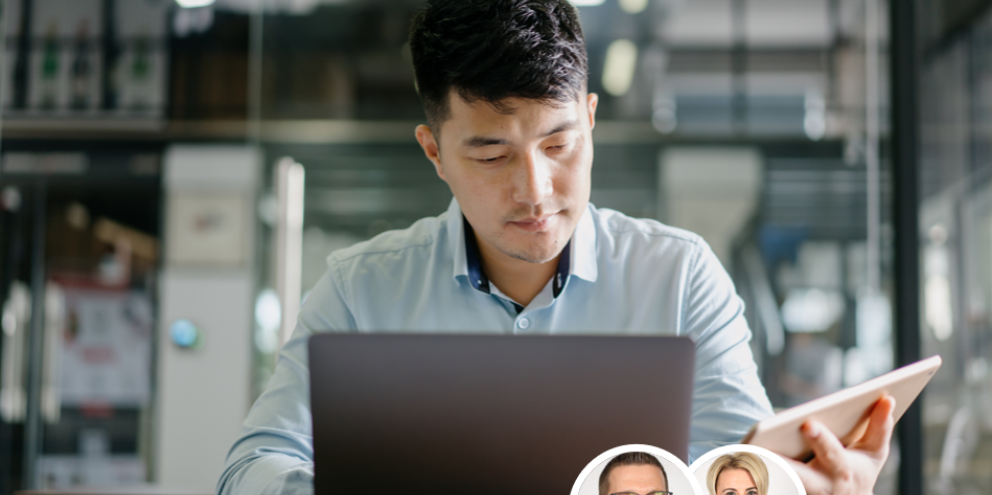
{"x":81,"y":70}
{"x":50,"y":68}
{"x":140,"y":80}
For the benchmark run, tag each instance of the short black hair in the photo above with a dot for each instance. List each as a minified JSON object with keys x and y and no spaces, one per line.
{"x":490,"y":50}
{"x":629,"y":459}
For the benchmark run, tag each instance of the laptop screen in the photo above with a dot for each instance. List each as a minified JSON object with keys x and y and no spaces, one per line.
{"x":439,"y":413}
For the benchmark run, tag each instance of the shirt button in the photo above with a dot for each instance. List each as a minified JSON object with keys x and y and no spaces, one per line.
{"x":523,"y":323}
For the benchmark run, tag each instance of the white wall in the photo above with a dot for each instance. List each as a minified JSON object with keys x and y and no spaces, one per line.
{"x":203,"y":393}
{"x":710,"y":191}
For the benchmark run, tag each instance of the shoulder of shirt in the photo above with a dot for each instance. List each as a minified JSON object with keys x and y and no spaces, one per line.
{"x":623,"y":227}
{"x":423,"y":233}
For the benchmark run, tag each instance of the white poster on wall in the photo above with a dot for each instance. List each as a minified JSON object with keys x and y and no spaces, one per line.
{"x":107,"y":351}
{"x":207,"y":229}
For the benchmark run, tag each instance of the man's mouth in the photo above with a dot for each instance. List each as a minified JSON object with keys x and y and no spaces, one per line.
{"x":535,"y":224}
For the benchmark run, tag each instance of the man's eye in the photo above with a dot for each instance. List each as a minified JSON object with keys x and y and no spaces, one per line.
{"x":489,"y":160}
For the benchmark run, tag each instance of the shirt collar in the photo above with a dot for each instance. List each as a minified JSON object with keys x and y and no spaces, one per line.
{"x":473,"y":259}
{"x":578,"y":257}
{"x":583,"y":245}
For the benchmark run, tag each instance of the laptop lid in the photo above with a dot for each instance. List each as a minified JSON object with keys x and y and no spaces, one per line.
{"x":490,"y":414}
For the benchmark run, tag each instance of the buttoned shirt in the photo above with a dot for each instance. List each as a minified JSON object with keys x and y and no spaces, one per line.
{"x":617,"y":275}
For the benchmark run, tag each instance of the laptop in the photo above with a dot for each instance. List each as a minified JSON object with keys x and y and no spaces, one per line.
{"x":488,"y":414}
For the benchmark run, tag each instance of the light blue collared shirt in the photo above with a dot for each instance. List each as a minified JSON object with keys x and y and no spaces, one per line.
{"x":624,"y":276}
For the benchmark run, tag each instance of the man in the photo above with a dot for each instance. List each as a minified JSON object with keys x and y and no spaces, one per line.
{"x":634,"y":473}
{"x":520,"y":249}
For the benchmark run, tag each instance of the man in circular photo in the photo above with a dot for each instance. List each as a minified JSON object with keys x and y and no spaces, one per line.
{"x":634,"y":473}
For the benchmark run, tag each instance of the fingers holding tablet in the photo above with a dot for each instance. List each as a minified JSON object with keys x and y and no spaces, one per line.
{"x":852,"y":470}
{"x":846,"y":414}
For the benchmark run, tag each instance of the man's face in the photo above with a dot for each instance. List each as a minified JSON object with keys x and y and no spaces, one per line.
{"x":521,"y":174}
{"x":637,"y":478}
{"x":735,"y":482}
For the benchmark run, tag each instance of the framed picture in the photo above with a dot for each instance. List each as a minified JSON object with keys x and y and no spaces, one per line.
{"x":207,"y":229}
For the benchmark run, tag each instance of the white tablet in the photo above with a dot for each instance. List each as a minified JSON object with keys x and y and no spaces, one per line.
{"x":845,"y":413}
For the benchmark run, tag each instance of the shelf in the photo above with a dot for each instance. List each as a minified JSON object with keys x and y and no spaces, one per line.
{"x":309,"y":131}
{"x":275,"y":132}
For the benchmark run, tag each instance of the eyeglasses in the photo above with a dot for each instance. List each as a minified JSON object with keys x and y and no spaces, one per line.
{"x":659,"y":492}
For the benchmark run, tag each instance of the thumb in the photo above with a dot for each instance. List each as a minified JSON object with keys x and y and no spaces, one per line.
{"x":880,"y":425}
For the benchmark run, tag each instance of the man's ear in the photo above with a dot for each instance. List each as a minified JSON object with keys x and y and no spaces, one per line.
{"x":429,"y":143}
{"x":592,"y":101}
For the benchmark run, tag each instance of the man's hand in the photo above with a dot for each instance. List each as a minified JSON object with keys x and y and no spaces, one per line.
{"x":847,"y":471}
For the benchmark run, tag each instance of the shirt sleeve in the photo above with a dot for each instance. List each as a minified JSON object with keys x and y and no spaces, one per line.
{"x":274,"y":454}
{"x":728,"y":396}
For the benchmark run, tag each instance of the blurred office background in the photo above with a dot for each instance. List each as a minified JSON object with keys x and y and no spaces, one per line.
{"x":173,"y":174}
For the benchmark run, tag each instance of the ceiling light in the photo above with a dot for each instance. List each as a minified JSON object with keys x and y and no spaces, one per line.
{"x":811,"y":310}
{"x":586,"y":3}
{"x":815,"y":121}
{"x":633,"y":6}
{"x":190,"y":4}
{"x":618,"y":72}
{"x":664,"y":118}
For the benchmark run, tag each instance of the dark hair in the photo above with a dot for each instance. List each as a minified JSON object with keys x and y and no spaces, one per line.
{"x":490,"y":50}
{"x":629,"y":459}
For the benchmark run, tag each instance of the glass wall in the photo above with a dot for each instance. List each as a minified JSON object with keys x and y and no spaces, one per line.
{"x":955,"y":243}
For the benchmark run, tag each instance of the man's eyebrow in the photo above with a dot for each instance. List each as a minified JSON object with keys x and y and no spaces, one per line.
{"x":564,"y":126}
{"x":480,"y":141}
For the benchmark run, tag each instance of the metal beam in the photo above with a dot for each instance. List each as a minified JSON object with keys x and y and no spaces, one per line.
{"x":904,"y":78}
{"x":36,"y":345}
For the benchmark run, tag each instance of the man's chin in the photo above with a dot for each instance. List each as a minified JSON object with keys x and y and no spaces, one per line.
{"x":538,"y":247}
{"x":532,"y":259}
{"x":539,"y":255}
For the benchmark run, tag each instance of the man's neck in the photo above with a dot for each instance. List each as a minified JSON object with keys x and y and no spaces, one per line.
{"x":520,"y":280}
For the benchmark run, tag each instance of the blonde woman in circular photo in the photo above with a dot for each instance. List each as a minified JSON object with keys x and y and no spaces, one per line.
{"x":745,"y":470}
{"x":740,"y":473}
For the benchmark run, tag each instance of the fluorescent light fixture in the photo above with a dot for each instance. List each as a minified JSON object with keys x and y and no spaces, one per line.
{"x":815,"y":125}
{"x":618,"y":72}
{"x":586,"y":3}
{"x":633,"y":6}
{"x":664,"y":117}
{"x":811,"y":310}
{"x":290,"y":181}
{"x":190,"y":4}
{"x":815,"y":122}
{"x":268,"y":318}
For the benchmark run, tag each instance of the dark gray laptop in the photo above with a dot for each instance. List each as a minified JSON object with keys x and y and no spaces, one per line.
{"x":457,"y":414}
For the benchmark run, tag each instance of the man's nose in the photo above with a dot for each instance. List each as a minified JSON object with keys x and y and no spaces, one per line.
{"x":533,"y":179}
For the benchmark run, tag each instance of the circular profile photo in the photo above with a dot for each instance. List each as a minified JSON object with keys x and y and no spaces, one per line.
{"x":745,"y":470}
{"x":636,"y":470}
